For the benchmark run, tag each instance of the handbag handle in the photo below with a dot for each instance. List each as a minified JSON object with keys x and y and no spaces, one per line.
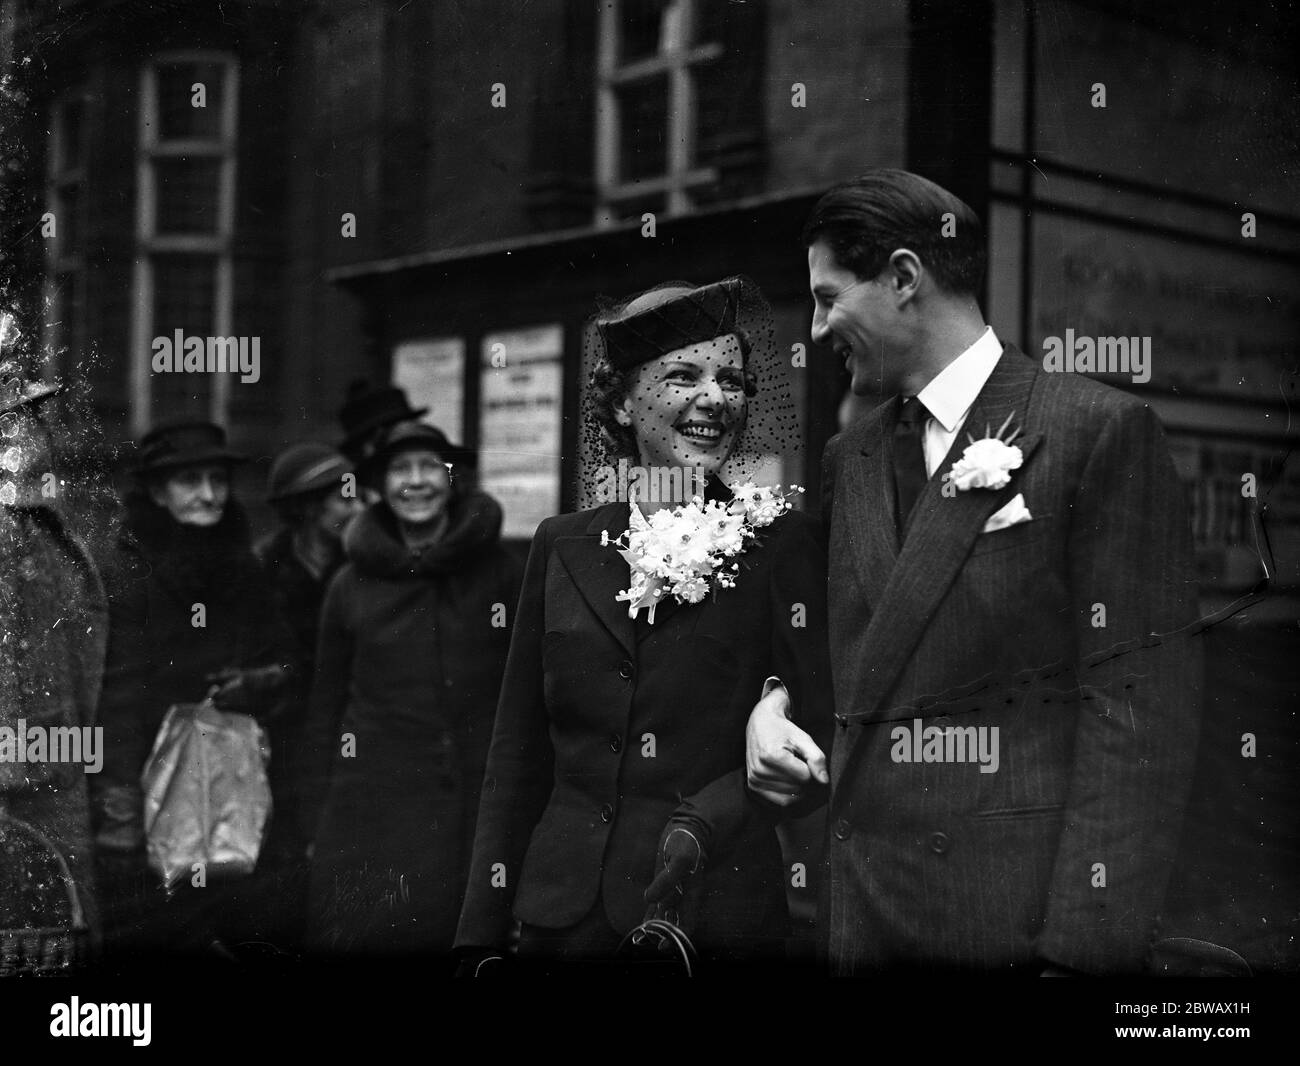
{"x":666,"y":932}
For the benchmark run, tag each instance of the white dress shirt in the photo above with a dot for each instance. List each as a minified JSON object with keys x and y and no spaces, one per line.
{"x":952,"y":392}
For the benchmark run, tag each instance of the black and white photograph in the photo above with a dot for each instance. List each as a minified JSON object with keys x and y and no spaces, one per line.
{"x":584,"y":491}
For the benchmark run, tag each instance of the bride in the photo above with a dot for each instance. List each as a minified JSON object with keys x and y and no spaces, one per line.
{"x":646,"y":631}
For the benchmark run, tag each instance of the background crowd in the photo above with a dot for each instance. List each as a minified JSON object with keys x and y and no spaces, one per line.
{"x":377,"y":701}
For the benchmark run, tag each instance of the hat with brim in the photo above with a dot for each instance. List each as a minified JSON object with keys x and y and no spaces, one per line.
{"x":369,"y":408}
{"x":406,"y":436}
{"x":29,"y":396}
{"x":304,"y":469}
{"x":177,"y":444}
{"x":667,"y":318}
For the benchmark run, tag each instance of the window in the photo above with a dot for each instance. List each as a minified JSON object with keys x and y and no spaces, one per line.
{"x":184,"y":225}
{"x":656,"y":66}
{"x":65,"y":278}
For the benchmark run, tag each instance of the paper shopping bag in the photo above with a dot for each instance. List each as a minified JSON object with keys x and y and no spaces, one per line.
{"x":206,"y":796}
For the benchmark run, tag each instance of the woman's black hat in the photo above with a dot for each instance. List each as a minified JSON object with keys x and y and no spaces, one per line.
{"x":406,"y":435}
{"x":672,"y":316}
{"x":184,"y":443}
{"x":368,"y":408}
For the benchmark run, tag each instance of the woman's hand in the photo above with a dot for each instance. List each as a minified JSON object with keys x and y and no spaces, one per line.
{"x":682,"y":856}
{"x":247,"y":691}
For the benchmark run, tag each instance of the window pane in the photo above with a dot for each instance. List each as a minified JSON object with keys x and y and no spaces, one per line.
{"x":177,"y":115}
{"x":184,"y":293}
{"x":68,"y":314}
{"x":67,"y":220}
{"x":713,"y":26}
{"x":714,"y":109}
{"x":641,"y":23}
{"x":184,"y":299}
{"x":187,"y":194}
{"x":71,"y":138}
{"x":643,"y":121}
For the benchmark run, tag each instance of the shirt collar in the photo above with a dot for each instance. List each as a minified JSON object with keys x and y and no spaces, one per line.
{"x":951,"y":393}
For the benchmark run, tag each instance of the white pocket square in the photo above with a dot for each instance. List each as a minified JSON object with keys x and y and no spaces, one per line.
{"x":1012,"y":514}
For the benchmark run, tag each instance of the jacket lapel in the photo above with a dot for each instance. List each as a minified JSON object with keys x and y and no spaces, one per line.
{"x":599,"y":572}
{"x":869,"y":481}
{"x":939,"y":536}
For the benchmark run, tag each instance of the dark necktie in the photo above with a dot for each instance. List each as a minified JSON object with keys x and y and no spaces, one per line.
{"x":909,"y":458}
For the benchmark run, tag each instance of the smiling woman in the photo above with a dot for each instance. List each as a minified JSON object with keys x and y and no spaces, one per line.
{"x":686,"y":408}
{"x":412,"y":644}
{"x":615,"y":788}
{"x":674,"y":373}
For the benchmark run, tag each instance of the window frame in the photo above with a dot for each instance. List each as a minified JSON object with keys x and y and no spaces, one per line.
{"x":150,"y":243}
{"x":678,"y":61}
{"x":62,"y":259}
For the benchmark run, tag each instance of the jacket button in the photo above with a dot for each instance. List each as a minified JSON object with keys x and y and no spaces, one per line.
{"x":842,"y":720}
{"x":606,"y":813}
{"x":625,"y":670}
{"x":940,"y":843}
{"x":843,"y":830}
{"x":615,"y":742}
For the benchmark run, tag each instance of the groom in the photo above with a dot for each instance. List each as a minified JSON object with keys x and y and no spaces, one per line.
{"x":1011,"y":605}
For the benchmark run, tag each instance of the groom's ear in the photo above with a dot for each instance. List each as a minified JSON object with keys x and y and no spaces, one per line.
{"x":905,"y":273}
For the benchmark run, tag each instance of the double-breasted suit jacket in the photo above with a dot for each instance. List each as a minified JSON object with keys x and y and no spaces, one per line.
{"x":607,"y":727}
{"x":1069,"y":634}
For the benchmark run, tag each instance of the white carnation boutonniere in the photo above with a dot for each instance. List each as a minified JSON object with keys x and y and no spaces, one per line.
{"x":690,"y":550}
{"x":987,"y":463}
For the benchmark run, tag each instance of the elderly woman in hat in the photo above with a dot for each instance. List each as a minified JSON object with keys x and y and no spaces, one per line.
{"x":189,"y":613}
{"x":615,"y":788}
{"x":413,"y":640}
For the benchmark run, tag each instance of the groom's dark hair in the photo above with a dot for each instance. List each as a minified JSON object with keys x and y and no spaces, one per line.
{"x":864,"y":221}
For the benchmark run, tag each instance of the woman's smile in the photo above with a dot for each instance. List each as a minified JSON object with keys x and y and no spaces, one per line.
{"x":687,"y":407}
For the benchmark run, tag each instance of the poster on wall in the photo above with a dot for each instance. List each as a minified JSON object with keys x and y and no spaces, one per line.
{"x":432,"y":371}
{"x":521,"y":401}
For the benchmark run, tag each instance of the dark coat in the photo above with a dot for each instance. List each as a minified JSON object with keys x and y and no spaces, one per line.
{"x":55,"y":622}
{"x":408,"y":668}
{"x":299,"y":596}
{"x":936,"y":864}
{"x":157,"y":657}
{"x":573,"y":803}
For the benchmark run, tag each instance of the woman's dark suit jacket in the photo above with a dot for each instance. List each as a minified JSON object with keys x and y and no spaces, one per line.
{"x":607,"y":727}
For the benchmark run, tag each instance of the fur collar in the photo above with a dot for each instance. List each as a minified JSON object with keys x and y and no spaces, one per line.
{"x":374,"y":545}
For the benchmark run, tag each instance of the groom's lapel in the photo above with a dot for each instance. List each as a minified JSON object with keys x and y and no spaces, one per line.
{"x":869,"y":479}
{"x":599,"y":572}
{"x":940,"y":535}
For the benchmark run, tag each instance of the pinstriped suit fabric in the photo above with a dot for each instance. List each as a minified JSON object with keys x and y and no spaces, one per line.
{"x":937,"y":865}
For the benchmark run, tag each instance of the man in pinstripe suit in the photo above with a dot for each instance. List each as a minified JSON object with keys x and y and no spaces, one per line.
{"x":1030,"y":599}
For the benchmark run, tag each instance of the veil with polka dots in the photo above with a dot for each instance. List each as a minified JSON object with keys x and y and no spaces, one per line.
{"x":773,"y":429}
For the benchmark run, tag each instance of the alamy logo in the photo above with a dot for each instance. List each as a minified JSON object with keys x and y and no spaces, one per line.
{"x":954,"y":744}
{"x":56,"y":744}
{"x":102,"y":1019}
{"x":1099,"y":355}
{"x":649,"y":484}
{"x":179,"y":354}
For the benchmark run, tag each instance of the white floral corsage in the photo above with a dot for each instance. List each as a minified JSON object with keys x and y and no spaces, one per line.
{"x":683,"y":551}
{"x":987,"y":463}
